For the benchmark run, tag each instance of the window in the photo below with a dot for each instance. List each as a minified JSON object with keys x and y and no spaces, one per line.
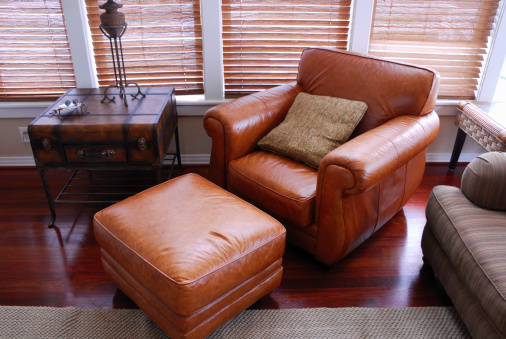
{"x":263,"y":39}
{"x":162,"y":45}
{"x":451,"y":36}
{"x":35,"y":61}
{"x":500,"y":91}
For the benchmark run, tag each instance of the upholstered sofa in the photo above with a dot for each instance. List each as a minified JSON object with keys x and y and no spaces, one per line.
{"x":464,"y":242}
{"x":330,"y":210}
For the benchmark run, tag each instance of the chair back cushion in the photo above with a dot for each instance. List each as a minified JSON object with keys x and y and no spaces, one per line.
{"x":484,"y":181}
{"x":389,"y":88}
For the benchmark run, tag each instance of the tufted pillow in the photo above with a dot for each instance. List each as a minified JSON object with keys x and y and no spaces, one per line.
{"x":314,"y":126}
{"x":484,"y":181}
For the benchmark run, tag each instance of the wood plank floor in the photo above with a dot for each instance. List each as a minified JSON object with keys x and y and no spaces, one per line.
{"x":60,"y":266}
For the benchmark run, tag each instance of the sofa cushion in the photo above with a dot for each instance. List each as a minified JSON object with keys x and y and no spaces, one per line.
{"x":484,"y":181}
{"x":314,"y":126}
{"x":474,"y":240}
{"x":280,"y":185}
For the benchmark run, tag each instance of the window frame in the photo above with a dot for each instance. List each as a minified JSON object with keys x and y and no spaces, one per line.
{"x":85,"y":70}
{"x":488,"y":75}
{"x":263,"y":39}
{"x":495,"y":59}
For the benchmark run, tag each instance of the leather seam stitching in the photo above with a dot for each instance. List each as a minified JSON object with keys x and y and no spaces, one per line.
{"x":201,"y":277}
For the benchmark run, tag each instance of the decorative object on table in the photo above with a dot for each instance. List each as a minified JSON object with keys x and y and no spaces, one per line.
{"x":74,"y":105}
{"x":113,"y":26}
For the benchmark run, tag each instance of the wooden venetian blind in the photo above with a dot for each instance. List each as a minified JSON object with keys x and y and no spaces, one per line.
{"x":263,"y":39}
{"x":451,"y":36}
{"x":35,"y":62}
{"x":162,"y":45}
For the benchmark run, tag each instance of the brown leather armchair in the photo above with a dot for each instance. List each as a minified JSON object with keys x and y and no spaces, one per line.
{"x":358,"y":186}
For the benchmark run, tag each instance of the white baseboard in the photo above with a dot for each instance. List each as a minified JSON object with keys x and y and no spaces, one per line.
{"x":203,"y":159}
{"x":195,"y":159}
{"x":16,"y":161}
{"x":445,"y":157}
{"x":186,"y":159}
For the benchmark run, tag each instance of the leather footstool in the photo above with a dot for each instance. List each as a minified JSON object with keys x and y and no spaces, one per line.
{"x":190,"y":254}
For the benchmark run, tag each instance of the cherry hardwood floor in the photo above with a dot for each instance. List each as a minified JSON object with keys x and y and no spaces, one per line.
{"x":60,"y":266}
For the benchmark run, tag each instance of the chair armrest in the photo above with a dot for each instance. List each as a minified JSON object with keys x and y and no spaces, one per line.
{"x":236,"y":126}
{"x":357,"y":166}
{"x":373,"y":155}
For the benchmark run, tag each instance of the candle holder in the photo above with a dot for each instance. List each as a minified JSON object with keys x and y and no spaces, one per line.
{"x":113,"y":26}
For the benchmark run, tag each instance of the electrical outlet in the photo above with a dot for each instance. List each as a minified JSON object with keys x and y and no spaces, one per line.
{"x":23,"y":131}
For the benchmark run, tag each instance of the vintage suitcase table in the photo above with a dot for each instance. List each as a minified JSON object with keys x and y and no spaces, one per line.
{"x":95,"y":136}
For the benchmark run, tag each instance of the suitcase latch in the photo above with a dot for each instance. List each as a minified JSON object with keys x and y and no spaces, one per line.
{"x":141,"y":143}
{"x":46,"y":144}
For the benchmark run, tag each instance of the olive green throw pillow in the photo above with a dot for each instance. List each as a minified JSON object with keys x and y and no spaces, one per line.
{"x":314,"y":126}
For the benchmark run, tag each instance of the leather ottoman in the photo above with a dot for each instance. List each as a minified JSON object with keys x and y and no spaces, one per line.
{"x":190,"y":254}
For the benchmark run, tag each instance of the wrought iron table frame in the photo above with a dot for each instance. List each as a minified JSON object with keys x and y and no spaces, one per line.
{"x":156,"y":168}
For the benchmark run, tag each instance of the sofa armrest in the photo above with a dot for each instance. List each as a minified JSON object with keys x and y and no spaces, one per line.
{"x":236,"y":126}
{"x":484,"y":181}
{"x":373,"y":155}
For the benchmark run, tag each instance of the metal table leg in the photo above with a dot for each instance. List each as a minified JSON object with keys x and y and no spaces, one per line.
{"x":159,"y":175}
{"x":178,"y":151}
{"x":48,"y":196}
{"x":457,"y":148}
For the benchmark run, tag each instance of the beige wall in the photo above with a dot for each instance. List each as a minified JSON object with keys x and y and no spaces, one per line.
{"x":193,"y":137}
{"x":196,"y":145}
{"x":442,"y":147}
{"x":10,"y":139}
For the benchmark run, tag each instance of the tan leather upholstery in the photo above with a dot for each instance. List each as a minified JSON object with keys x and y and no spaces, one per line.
{"x":288,"y":187}
{"x":360,"y":185}
{"x":190,"y":254}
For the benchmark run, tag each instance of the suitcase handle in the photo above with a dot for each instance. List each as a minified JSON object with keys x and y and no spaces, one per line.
{"x":96,"y":155}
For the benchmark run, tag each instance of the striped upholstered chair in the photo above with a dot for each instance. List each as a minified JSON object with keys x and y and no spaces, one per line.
{"x":464,"y":241}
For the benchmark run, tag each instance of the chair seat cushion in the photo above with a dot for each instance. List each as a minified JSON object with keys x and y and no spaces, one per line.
{"x":314,"y":126}
{"x":280,"y":185}
{"x":475,"y":241}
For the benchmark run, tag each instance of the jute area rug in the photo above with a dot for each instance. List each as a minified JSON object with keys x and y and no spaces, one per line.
{"x":71,"y":322}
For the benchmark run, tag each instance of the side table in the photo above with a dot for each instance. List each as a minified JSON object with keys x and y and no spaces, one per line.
{"x":109,"y":136}
{"x":484,"y":122}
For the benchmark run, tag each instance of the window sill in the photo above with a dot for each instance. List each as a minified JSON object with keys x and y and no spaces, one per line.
{"x":29,"y":109}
